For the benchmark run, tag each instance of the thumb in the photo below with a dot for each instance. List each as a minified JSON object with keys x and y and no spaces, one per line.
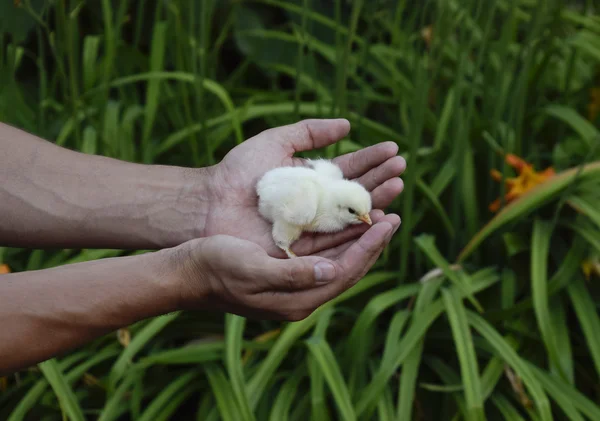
{"x":311,"y":134}
{"x":299,"y":273}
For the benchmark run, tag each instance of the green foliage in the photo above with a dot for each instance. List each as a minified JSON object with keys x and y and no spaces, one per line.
{"x":468,"y":315}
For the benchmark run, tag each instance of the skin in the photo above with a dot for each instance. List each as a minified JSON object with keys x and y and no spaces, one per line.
{"x":205,"y":259}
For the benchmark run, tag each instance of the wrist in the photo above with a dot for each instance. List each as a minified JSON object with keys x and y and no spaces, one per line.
{"x":191,"y":206}
{"x":187,"y":274}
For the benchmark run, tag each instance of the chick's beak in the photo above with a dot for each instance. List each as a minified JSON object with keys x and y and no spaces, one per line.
{"x":366,"y":219}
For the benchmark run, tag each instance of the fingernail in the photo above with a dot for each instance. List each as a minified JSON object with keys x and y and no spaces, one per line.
{"x":324,"y":272}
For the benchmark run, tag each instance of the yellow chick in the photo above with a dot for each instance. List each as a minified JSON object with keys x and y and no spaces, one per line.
{"x":316,"y":198}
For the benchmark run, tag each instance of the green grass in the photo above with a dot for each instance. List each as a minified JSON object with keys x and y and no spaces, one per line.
{"x":183,"y":82}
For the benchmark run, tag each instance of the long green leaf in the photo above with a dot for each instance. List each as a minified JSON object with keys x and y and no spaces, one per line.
{"x":294,"y":331}
{"x":137,"y":343}
{"x":568,"y":396}
{"x":508,"y":354}
{"x":62,"y":390}
{"x":333,"y":375}
{"x":466,"y":354}
{"x":223,"y":391}
{"x":583,"y":127}
{"x":285,"y":397}
{"x":166,"y":395}
{"x":587,"y":313}
{"x":234,"y":330}
{"x":540,"y":247}
{"x":153,"y":91}
{"x":427,"y":244}
{"x":319,"y":410}
{"x":529,"y":202}
{"x":34,"y":393}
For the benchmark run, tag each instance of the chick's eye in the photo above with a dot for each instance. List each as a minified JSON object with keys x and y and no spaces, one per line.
{"x":352,"y":211}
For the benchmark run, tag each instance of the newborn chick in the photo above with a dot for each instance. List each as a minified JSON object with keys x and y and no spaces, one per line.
{"x":313,"y":199}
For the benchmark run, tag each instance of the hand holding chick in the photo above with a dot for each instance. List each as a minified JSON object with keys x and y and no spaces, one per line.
{"x":315,"y":198}
{"x":231,"y":193}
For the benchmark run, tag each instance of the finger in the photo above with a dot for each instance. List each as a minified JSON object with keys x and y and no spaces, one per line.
{"x":385,"y":194}
{"x":353,"y":264}
{"x":357,"y":163}
{"x":391,"y":168}
{"x":309,"y":134}
{"x":336,"y":252}
{"x":358,"y":259}
{"x":314,"y":243}
{"x":294,"y":274}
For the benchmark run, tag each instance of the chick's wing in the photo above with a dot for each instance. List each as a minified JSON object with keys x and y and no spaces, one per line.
{"x":299,"y":205}
{"x":289,"y":194}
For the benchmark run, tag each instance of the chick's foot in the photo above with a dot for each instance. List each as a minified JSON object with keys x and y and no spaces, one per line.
{"x":289,"y":252}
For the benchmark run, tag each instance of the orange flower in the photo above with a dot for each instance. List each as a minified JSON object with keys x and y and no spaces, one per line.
{"x":526,"y":180}
{"x":4,"y":269}
{"x":594,"y":105}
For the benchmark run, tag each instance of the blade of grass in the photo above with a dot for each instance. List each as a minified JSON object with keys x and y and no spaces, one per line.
{"x":251,"y":112}
{"x":157,"y":405}
{"x":412,"y":337}
{"x":410,"y":368}
{"x":561,"y":327}
{"x":508,"y":354}
{"x":402,"y":349}
{"x":325,"y":358}
{"x":157,"y":57}
{"x":191,"y":354}
{"x":508,"y":411}
{"x":319,"y":410}
{"x":584,"y":206}
{"x":113,"y":406}
{"x":451,"y":378}
{"x":137,"y":343}
{"x":285,"y":397}
{"x":567,"y":395}
{"x":356,"y":346}
{"x":540,"y":246}
{"x":393,"y":335}
{"x":466,"y":354}
{"x":35,"y":393}
{"x":258,"y":383}
{"x":587,"y":314}
{"x":67,"y":399}
{"x":584,"y":128}
{"x":234,"y":330}
{"x":427,"y":244}
{"x":222,"y":390}
{"x":529,"y":202}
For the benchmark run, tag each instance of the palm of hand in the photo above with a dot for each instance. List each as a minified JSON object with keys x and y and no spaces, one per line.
{"x":234,"y":207}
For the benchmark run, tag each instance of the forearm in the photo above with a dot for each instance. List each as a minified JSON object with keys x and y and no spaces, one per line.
{"x":45,"y":313}
{"x":54,"y":197}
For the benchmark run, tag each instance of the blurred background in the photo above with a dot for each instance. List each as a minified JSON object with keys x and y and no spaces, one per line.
{"x":485,"y":306}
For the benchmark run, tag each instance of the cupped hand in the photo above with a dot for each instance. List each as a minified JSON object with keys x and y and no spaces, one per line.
{"x":234,"y":203}
{"x":237,"y":276}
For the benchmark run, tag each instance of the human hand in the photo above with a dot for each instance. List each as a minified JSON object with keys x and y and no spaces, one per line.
{"x":233,"y":204}
{"x":237,"y":276}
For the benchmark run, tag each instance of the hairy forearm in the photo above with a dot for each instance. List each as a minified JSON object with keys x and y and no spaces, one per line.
{"x":54,"y":197}
{"x":45,"y":313}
